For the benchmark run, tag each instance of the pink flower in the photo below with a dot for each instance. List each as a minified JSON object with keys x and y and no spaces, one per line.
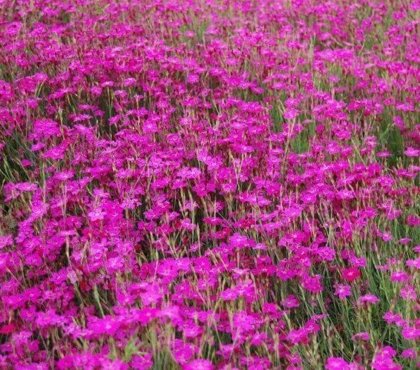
{"x":290,"y":302}
{"x":45,"y":128}
{"x":7,"y":328}
{"x":351,"y":274}
{"x":399,"y":276}
{"x":312,"y":283}
{"x":336,"y":363}
{"x":409,"y":353}
{"x":383,"y":360}
{"x":364,"y":336}
{"x":5,"y":241}
{"x":368,"y":299}
{"x":342,"y":291}
{"x":411,"y":152}
{"x":410,"y":333}
{"x":394,"y":318}
{"x":408,"y":293}
{"x":291,"y":113}
{"x":199,"y":365}
{"x":143,"y":362}
{"x":183,"y":352}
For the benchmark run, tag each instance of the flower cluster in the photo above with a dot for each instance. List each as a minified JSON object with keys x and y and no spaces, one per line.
{"x":209,"y":184}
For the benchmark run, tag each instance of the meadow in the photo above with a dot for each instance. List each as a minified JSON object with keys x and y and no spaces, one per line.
{"x":209,"y":184}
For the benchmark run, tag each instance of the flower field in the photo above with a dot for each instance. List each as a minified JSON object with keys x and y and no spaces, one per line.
{"x":209,"y":184}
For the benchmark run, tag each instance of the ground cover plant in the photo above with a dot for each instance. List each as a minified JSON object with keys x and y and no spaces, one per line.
{"x":208,"y":184}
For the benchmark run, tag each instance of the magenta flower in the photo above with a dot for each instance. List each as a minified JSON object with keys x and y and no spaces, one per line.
{"x":410,"y":333}
{"x":383,"y":359}
{"x":290,"y":302}
{"x":336,"y":363}
{"x":342,"y":291}
{"x":199,"y":365}
{"x":312,"y":283}
{"x":363,"y":336}
{"x":368,"y":299}
{"x":399,"y":276}
{"x":409,"y":353}
{"x":351,"y":274}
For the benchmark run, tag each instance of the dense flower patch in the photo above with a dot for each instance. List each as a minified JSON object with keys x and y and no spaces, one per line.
{"x":209,"y":184}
